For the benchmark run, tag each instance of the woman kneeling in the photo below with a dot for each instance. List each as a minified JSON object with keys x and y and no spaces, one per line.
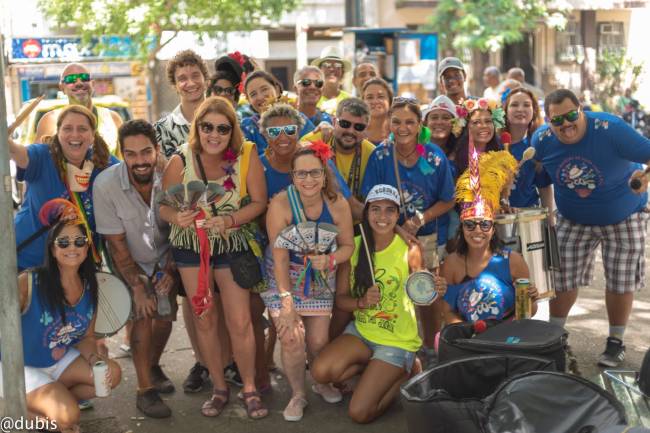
{"x":382,"y":340}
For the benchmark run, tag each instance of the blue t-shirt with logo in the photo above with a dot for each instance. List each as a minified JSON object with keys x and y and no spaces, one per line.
{"x":424,"y":184}
{"x":591,"y":177}
{"x":524,"y":190}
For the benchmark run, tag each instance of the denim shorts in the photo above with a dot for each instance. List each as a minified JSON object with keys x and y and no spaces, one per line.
{"x":192,"y":259}
{"x":400,"y":358}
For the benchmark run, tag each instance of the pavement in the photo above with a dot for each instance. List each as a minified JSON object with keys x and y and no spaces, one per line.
{"x":587,"y":325}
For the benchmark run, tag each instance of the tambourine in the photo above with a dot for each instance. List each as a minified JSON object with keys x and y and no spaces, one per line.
{"x":113,"y":305}
{"x":421,"y":288}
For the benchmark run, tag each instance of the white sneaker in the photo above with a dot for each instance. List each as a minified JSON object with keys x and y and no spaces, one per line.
{"x":328,"y":392}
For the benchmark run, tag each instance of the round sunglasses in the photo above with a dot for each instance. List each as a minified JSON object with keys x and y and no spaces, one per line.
{"x":275,"y":131}
{"x":64,"y":242}
{"x":485,"y":225}
{"x":208,"y":128}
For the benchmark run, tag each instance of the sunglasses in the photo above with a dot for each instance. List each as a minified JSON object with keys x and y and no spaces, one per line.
{"x":345,"y":124}
{"x":64,"y":242}
{"x":306,"y":82}
{"x":334,"y":65}
{"x":485,"y":225}
{"x":222,"y":129}
{"x":405,"y":100}
{"x":571,"y":116}
{"x":316,"y":173}
{"x":275,"y":131}
{"x":72,"y":78}
{"x":218,"y":90}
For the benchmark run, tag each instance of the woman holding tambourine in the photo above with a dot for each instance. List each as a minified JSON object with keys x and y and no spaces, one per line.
{"x":58,"y":303}
{"x":381,"y":342}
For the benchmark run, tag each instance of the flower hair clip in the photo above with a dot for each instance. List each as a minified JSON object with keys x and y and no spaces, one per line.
{"x":468,"y":106}
{"x":322,"y":150}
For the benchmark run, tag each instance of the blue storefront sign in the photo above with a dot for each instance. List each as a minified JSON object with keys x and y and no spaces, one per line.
{"x":65,"y":49}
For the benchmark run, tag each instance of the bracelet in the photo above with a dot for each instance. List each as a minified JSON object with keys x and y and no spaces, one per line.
{"x":284,"y":294}
{"x":90,"y":357}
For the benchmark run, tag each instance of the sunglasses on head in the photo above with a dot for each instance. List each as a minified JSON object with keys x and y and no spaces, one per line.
{"x":222,"y":129}
{"x":275,"y":131}
{"x":64,"y":242}
{"x":306,"y":82}
{"x":316,"y":173}
{"x":72,"y":78}
{"x":571,"y":116}
{"x":334,"y":65}
{"x":405,"y":100}
{"x":218,"y":90}
{"x":345,"y":124}
{"x":485,"y":225}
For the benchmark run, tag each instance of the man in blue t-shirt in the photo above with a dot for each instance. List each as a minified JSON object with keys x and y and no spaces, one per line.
{"x":591,"y":158}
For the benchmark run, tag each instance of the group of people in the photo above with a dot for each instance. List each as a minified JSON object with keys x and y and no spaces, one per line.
{"x":381,"y":170}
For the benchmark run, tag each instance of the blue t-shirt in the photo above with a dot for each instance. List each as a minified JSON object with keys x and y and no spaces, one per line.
{"x":591,"y":176}
{"x":250,"y":128}
{"x":423,"y":184}
{"x":491,"y":295}
{"x":524,"y":190}
{"x":43,"y":184}
{"x":45,"y":338}
{"x":277,"y":181}
{"x":321,"y":116}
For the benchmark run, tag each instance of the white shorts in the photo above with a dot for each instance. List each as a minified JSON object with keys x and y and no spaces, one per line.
{"x":36,"y":377}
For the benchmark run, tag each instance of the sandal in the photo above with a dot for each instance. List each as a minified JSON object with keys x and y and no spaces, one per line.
{"x":295,"y":408}
{"x":263,"y":390}
{"x":217,"y":402}
{"x":255,"y":409}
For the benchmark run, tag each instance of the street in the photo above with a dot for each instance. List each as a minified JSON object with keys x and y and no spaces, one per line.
{"x":587,"y":327}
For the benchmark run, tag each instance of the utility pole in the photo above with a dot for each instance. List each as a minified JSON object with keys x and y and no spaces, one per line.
{"x":11,"y":342}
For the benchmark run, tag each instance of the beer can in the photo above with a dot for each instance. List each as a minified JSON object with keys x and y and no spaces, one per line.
{"x":102,"y":387}
{"x":523,"y":304}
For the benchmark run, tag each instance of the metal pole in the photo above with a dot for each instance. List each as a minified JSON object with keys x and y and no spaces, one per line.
{"x":11,"y":342}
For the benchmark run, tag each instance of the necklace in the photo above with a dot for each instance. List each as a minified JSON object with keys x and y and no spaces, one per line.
{"x":406,"y":157}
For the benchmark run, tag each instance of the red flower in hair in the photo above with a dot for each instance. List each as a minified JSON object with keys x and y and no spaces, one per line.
{"x":506,"y":138}
{"x":322,"y":150}
{"x":238,"y":57}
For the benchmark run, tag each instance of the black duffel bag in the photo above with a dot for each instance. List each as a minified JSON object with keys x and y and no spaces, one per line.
{"x":448,"y":397}
{"x":520,"y":337}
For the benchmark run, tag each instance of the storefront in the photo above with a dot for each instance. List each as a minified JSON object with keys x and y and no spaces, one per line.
{"x":35,"y":66}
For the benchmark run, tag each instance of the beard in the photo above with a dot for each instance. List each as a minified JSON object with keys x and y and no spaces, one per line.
{"x":346,"y":146}
{"x":142,"y":179}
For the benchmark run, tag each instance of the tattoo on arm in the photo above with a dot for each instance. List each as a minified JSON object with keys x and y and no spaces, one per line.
{"x":123,"y":261}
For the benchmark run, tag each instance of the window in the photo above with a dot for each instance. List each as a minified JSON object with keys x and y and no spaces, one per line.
{"x":568,"y":43}
{"x":611,"y":37}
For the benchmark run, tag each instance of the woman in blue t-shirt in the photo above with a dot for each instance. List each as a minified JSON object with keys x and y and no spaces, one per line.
{"x":481,"y":274}
{"x":522,"y":119}
{"x":263,"y":90}
{"x":58,"y":302}
{"x":65,"y":167}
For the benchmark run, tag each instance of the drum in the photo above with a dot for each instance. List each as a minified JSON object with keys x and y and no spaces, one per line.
{"x":421,"y":288}
{"x":113,"y":305}
{"x":527,"y":232}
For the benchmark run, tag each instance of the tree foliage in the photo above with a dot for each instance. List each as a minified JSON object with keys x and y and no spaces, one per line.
{"x":488,"y":25}
{"x":145,"y":20}
{"x":615,"y":71}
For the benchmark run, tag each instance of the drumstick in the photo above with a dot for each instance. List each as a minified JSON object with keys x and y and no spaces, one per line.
{"x":365,"y":244}
{"x":528,"y":154}
{"x":636,"y":183}
{"x":24,"y":114}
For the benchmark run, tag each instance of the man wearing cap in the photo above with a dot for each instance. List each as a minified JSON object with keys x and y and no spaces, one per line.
{"x":334,"y":68}
{"x":590,"y":158}
{"x":451,"y":76}
{"x":77,"y":84}
{"x":362,"y":73}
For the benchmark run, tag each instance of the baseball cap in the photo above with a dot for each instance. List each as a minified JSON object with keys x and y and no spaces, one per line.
{"x":450,"y":62}
{"x":383,"y":192}
{"x":442,"y":102}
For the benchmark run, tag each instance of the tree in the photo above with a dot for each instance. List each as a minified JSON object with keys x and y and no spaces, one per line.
{"x":145,"y":20}
{"x":488,"y":25}
{"x":615,"y":71}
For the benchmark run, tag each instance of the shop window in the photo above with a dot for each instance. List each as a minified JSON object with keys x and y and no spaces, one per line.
{"x":611,"y":37}
{"x":568,"y":43}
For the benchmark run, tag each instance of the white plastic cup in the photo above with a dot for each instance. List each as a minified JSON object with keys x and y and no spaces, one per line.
{"x":102,"y":387}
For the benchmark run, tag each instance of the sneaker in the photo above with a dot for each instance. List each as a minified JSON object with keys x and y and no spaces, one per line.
{"x":160,"y":380}
{"x":150,"y":403}
{"x":231,"y":375}
{"x":196,"y":380}
{"x":85,"y":404}
{"x":328,"y":392}
{"x":614,"y":353}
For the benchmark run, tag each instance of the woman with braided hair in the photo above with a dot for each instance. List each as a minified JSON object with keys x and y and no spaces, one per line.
{"x":64,"y":167}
